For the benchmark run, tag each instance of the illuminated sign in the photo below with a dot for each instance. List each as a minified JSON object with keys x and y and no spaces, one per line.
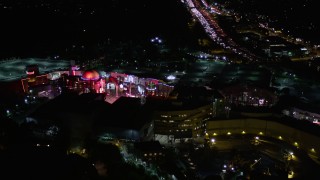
{"x":30,"y":72}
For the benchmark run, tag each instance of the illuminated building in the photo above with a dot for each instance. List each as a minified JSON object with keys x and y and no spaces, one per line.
{"x":244,"y":95}
{"x":132,"y":86}
{"x":88,"y":81}
{"x":310,"y":115}
{"x":34,"y":78}
{"x":92,"y":81}
{"x":32,"y":71}
{"x":149,"y":150}
{"x":121,"y":84}
{"x":174,"y":124}
{"x":115,"y":85}
{"x":183,"y":118}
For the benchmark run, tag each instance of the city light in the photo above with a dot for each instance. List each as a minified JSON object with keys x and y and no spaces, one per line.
{"x":218,"y":70}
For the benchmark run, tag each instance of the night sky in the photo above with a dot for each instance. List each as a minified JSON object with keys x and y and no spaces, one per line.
{"x":28,"y":28}
{"x":35,"y":28}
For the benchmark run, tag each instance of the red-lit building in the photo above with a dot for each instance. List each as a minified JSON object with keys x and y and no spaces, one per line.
{"x":34,"y":78}
{"x":89,"y":81}
{"x":133,"y":86}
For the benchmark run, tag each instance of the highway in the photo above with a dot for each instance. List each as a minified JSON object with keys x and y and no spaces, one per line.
{"x":205,"y":15}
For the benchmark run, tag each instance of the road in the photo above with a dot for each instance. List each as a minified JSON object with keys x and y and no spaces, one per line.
{"x":299,"y":162}
{"x":205,"y":14}
{"x":303,"y":166}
